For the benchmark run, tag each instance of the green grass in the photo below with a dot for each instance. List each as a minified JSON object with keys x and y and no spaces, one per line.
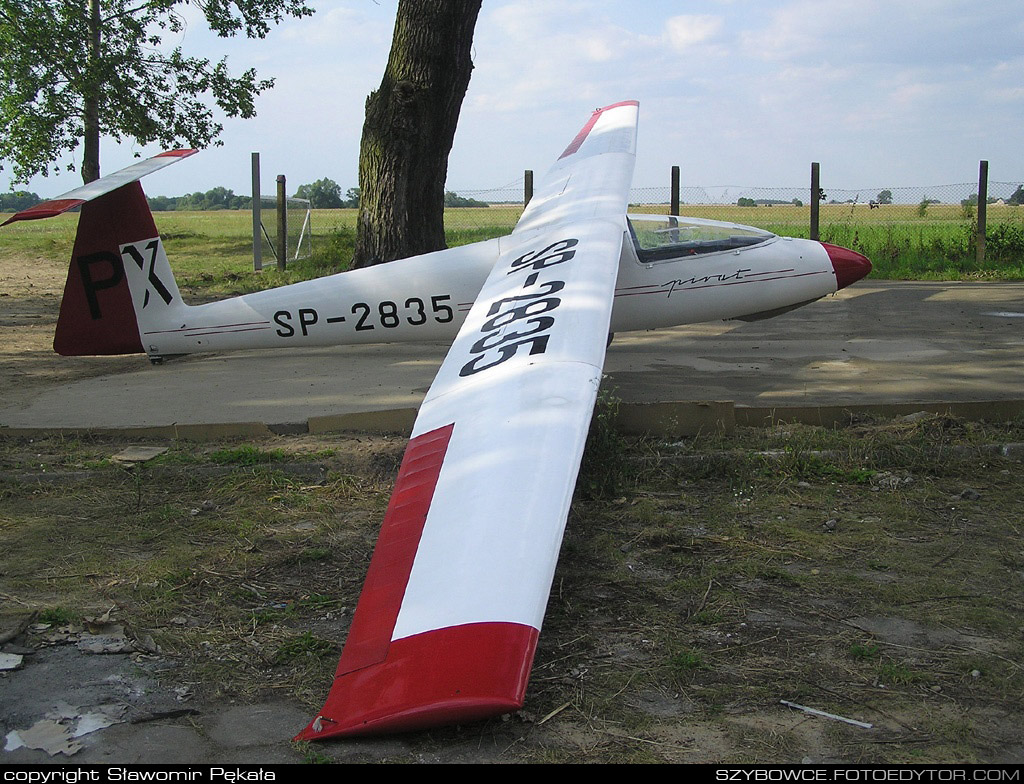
{"x":211,"y":252}
{"x":685,"y":604}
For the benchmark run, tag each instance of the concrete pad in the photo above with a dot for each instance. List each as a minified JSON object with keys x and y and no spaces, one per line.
{"x":872,"y":344}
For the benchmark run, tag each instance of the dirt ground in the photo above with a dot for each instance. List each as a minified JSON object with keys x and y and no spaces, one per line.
{"x":192,"y":609}
{"x":30,"y":293}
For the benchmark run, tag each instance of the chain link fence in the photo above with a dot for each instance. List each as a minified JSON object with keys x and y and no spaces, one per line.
{"x":297,"y":242}
{"x":906,"y":231}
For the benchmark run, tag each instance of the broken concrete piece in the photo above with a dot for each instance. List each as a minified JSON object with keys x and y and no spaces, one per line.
{"x":47,"y":735}
{"x":113,"y":641}
{"x":138,"y":454}
{"x":10,"y":661}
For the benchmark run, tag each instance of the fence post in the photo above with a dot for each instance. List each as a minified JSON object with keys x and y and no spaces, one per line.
{"x":674,"y":206}
{"x":527,"y":186}
{"x":257,"y":225}
{"x":982,"y":211}
{"x":815,"y":199}
{"x":282,"y":224}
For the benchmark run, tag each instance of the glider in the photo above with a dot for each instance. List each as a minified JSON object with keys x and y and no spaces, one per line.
{"x":447,"y":623}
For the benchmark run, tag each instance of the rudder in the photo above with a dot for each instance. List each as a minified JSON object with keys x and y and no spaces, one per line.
{"x":117,"y":266}
{"x":96,"y":314}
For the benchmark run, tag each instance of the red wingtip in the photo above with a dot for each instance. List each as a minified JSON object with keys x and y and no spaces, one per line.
{"x":46,"y":209}
{"x":176,"y":154}
{"x":446,"y":676}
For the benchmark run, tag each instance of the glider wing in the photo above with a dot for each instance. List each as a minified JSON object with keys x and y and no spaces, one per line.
{"x":447,"y":623}
{"x":93,"y":190}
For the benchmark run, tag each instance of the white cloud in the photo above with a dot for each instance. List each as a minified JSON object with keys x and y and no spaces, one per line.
{"x":685,"y":32}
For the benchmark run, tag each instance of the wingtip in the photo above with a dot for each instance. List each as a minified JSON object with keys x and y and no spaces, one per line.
{"x":46,"y":209}
{"x":445,"y":676}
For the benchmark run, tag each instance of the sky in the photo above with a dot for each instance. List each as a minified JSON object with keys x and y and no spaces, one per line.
{"x":883,"y":93}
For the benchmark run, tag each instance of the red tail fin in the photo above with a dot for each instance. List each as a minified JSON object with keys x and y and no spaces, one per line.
{"x":96,"y":315}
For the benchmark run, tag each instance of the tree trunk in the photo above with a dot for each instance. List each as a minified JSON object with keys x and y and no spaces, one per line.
{"x":409,"y":129}
{"x":90,"y":101}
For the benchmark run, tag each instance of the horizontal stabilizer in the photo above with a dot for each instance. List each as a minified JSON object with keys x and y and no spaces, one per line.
{"x":97,"y":188}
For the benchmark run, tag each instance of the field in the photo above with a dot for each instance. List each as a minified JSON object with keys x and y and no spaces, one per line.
{"x":211,"y":252}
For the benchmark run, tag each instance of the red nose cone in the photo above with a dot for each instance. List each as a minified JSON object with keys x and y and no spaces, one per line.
{"x":849,"y":265}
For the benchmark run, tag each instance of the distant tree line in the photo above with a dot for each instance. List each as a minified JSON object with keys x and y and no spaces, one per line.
{"x":15,"y":201}
{"x":214,"y":199}
{"x":323,"y":194}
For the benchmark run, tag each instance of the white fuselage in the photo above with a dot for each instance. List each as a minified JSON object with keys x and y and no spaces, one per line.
{"x":426,"y":298}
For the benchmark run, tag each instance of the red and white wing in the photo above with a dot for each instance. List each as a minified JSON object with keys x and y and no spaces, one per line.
{"x":447,"y":624}
{"x":93,"y":190}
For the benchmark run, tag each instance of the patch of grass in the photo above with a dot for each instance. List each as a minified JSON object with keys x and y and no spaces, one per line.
{"x":246,"y":455}
{"x":684,"y":605}
{"x":867,"y":651}
{"x":897,"y":672}
{"x":684,"y":663}
{"x":604,"y":472}
{"x":58,"y":616}
{"x":303,"y":645}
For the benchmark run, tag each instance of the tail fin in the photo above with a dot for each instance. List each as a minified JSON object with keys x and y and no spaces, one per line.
{"x":119,"y":282}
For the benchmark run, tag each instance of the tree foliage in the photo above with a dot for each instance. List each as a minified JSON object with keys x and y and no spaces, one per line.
{"x":73,"y":71}
{"x":323,"y":194}
{"x":15,"y":201}
{"x":452,"y":199}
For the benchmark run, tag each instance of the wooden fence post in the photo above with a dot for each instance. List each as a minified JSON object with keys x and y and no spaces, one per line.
{"x":674,"y":206}
{"x":527,"y":186}
{"x":982,"y":211}
{"x":282,"y":224}
{"x":815,"y":199}
{"x":257,"y":224}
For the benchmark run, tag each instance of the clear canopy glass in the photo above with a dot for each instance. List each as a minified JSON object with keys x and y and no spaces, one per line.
{"x":665,"y":237}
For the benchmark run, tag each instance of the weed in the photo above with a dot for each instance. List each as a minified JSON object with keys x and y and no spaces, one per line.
{"x":899,"y":673}
{"x":58,"y":616}
{"x":311,"y":755}
{"x":305,"y":644}
{"x":865,"y":651}
{"x":685,"y":663}
{"x":604,"y":471}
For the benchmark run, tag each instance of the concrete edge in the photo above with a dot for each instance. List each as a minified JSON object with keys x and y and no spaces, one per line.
{"x":766,"y":416}
{"x":193,"y":432}
{"x":670,"y":419}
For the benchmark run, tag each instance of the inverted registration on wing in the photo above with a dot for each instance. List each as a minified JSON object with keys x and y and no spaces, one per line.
{"x":519,"y":384}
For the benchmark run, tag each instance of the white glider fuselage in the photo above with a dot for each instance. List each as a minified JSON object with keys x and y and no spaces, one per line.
{"x":426,"y":298}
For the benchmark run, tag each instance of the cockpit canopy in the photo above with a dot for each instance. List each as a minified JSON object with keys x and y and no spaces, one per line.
{"x":659,"y":238}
